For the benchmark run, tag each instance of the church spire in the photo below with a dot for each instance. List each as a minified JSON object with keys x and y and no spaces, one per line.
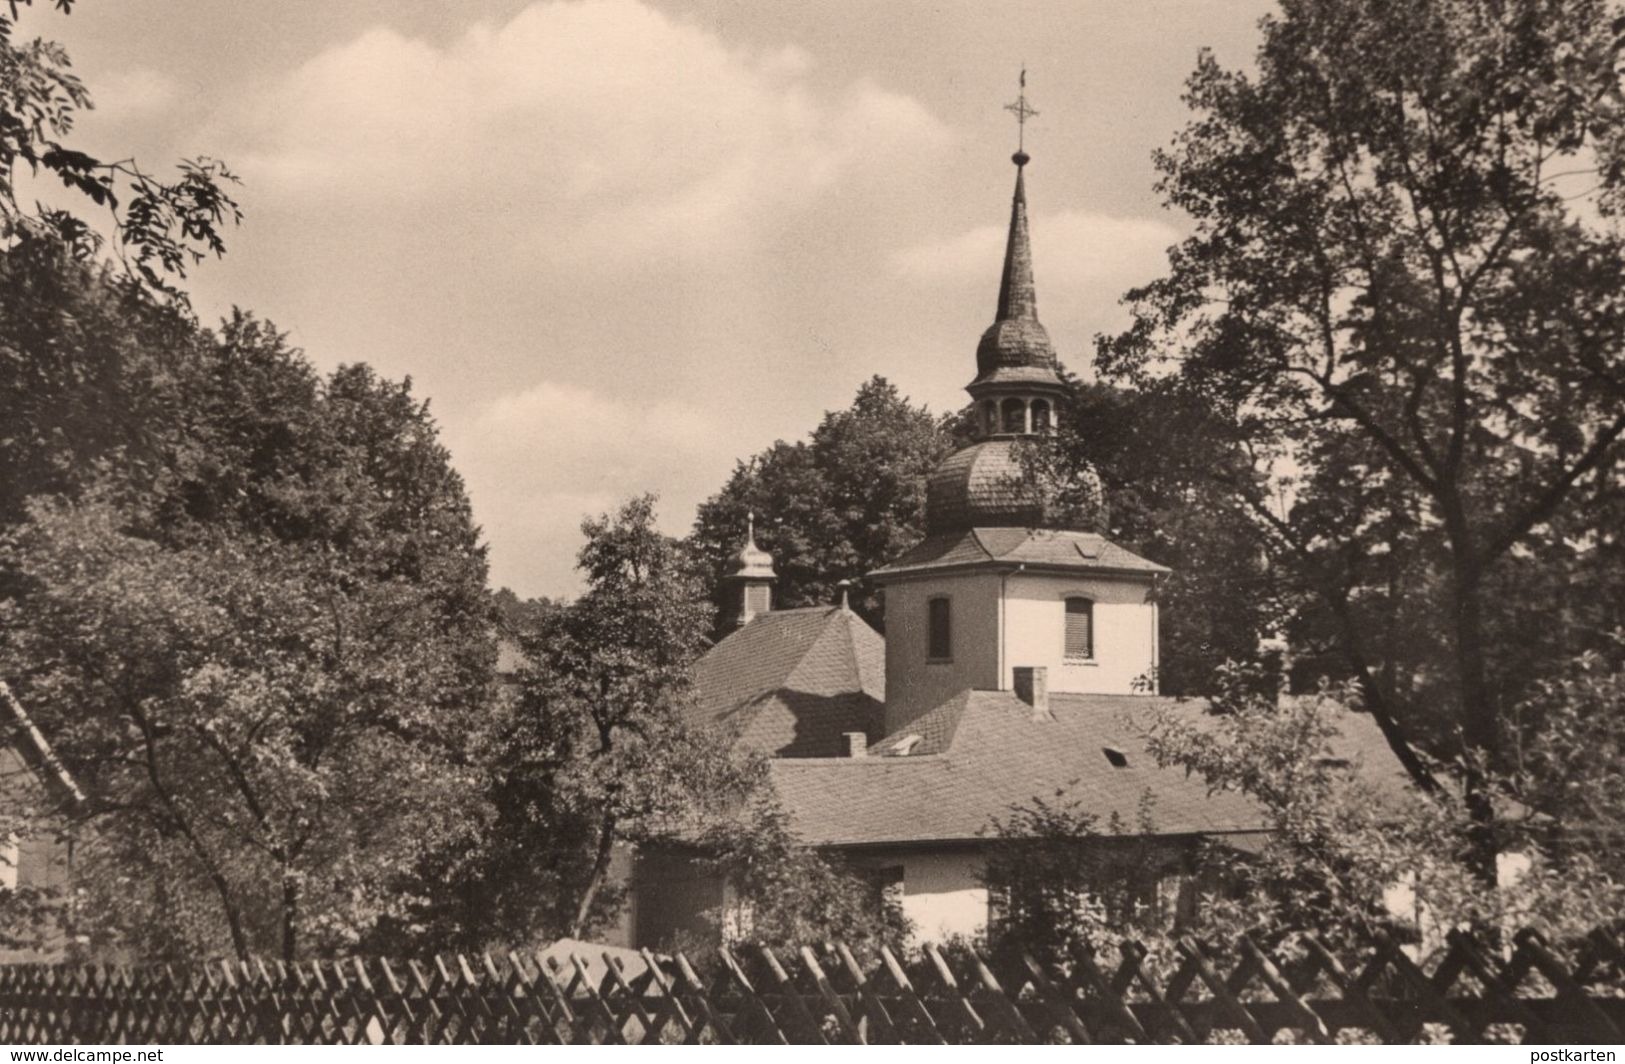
{"x":1016,"y":386}
{"x":1018,"y":298}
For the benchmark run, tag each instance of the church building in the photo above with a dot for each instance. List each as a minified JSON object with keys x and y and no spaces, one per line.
{"x":1018,"y":663}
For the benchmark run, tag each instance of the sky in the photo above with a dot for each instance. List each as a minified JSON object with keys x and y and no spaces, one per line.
{"x":621,"y":245}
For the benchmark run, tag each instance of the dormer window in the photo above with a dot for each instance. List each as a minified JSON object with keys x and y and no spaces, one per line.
{"x":939,"y":643}
{"x":1080,"y":629}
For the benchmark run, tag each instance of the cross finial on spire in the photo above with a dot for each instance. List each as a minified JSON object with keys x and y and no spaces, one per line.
{"x":1023,"y":111}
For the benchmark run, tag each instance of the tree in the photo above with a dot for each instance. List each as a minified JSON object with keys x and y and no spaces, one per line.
{"x":832,"y":508}
{"x":92,"y":374}
{"x":1406,"y":259}
{"x":255,"y":625}
{"x":261,"y":737}
{"x":601,"y":750}
{"x":161,"y":226}
{"x":1058,"y":878}
{"x":1348,"y":856}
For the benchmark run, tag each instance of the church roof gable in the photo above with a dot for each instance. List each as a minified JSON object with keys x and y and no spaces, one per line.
{"x":791,"y":682}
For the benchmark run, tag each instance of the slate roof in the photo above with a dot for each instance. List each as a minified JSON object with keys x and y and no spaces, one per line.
{"x":1033,"y":547}
{"x":792,"y":682}
{"x":981,"y":485}
{"x":980,"y":753}
{"x":1013,"y":343}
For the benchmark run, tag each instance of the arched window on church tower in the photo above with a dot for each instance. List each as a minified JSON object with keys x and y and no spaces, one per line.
{"x":1040,"y":416}
{"x":1015,"y":415}
{"x":990,"y":417}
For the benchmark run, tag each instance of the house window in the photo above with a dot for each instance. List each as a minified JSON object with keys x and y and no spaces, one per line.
{"x":1015,"y":415}
{"x":939,"y":645}
{"x":1040,"y":416}
{"x":1080,"y":629}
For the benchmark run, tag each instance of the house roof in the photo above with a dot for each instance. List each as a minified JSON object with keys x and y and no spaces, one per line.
{"x":792,"y":682}
{"x":981,"y":753}
{"x":1034,"y":547}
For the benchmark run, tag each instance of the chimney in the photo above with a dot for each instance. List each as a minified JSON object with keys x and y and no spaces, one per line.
{"x":856,"y":744}
{"x":1032,"y":687}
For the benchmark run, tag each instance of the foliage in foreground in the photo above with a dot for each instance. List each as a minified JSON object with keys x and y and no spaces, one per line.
{"x":246,"y":603}
{"x":788,"y":893}
{"x":1350,"y":853}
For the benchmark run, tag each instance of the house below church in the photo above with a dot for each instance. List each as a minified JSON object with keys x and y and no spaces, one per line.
{"x":1019,"y":663}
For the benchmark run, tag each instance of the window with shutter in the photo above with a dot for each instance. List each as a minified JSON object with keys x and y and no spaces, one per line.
{"x":939,"y":640}
{"x":1080,"y":629}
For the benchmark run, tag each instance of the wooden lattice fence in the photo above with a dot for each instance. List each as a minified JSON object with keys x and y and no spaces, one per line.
{"x":1529,"y":990}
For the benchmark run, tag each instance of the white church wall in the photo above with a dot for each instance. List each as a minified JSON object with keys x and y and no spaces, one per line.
{"x":914,"y":683}
{"x":1125,"y":631}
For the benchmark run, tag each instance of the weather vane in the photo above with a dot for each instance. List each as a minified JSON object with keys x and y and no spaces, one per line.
{"x":1023,"y":111}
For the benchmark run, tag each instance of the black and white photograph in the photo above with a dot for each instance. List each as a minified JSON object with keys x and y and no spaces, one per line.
{"x":886,"y":522}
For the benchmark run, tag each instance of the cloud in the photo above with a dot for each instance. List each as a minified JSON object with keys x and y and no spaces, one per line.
{"x":592,"y":125}
{"x":538,"y":461}
{"x":133,"y":94}
{"x":1072,"y":250}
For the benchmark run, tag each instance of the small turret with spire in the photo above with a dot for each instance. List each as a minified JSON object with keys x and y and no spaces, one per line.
{"x":750,"y":579}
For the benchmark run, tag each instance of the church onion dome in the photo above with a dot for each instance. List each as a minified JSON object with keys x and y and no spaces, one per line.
{"x":981,"y":486}
{"x":752,"y":562}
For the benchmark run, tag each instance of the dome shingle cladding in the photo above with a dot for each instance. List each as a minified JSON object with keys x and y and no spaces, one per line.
{"x":981,"y":486}
{"x":1016,"y":343}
